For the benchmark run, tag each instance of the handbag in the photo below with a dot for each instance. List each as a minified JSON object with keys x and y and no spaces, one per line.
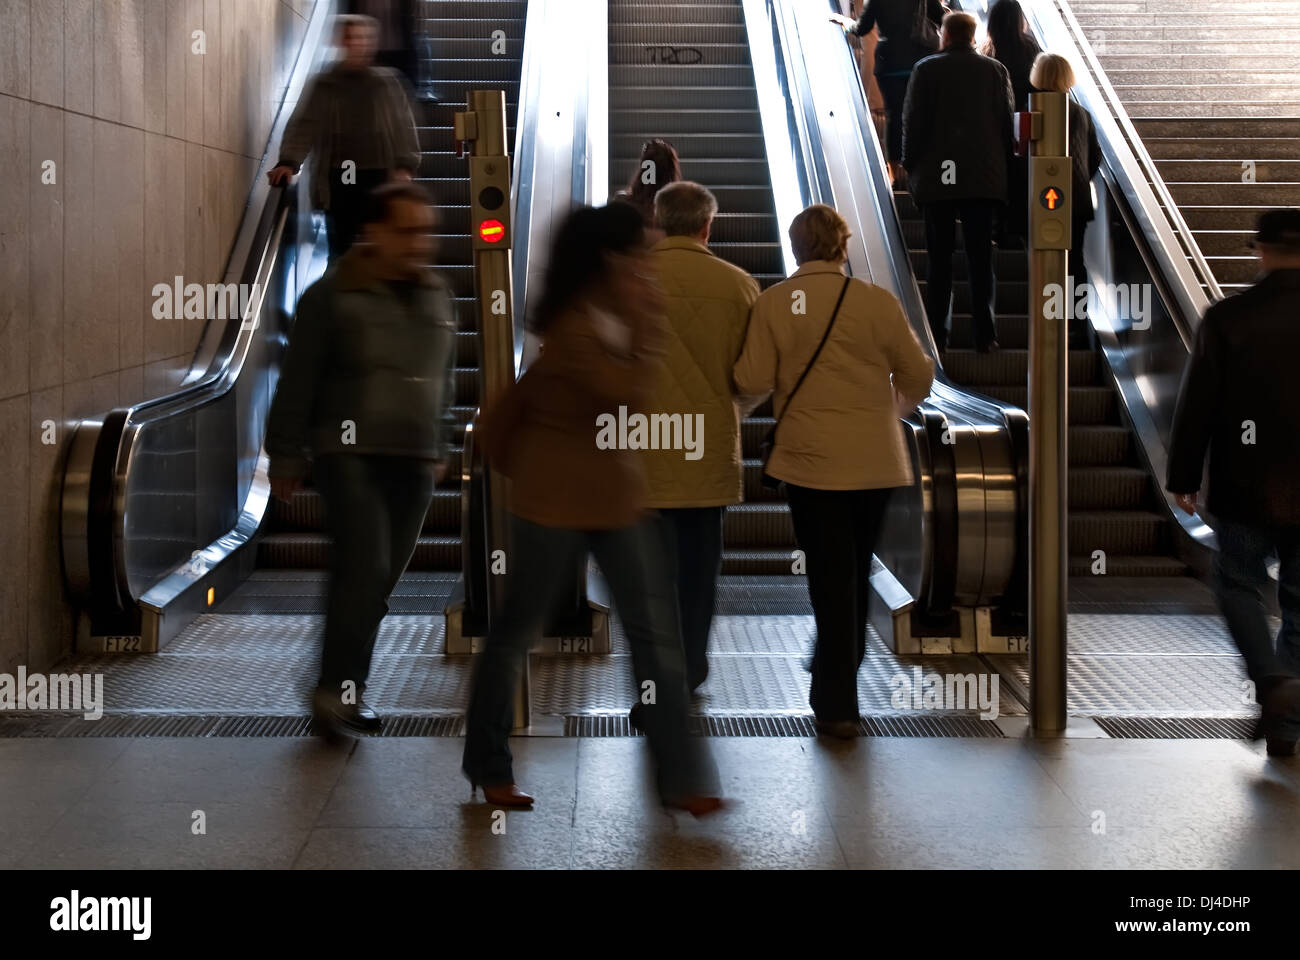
{"x":769,"y":441}
{"x":925,"y":35}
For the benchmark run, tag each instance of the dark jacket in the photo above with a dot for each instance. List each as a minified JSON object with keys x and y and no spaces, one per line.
{"x":362,"y":352}
{"x":1085,"y":158}
{"x":317,"y":123}
{"x":896,"y":52}
{"x":958,"y":109}
{"x":1241,"y":375}
{"x":1019,"y":62}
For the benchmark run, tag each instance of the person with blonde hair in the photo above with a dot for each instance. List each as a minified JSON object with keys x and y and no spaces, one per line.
{"x":842,"y":361}
{"x":1053,"y":74}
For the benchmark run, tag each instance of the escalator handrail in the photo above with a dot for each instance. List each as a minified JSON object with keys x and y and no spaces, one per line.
{"x":1167,"y":233}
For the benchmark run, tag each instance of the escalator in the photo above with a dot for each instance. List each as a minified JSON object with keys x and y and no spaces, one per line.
{"x":457,"y":45}
{"x":1213,"y":92}
{"x":683,"y":72}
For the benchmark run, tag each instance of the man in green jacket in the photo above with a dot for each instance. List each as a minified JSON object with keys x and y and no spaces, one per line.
{"x":355,"y":119}
{"x":362,"y":405}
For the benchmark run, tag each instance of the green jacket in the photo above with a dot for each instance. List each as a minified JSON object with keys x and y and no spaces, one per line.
{"x":318,"y":120}
{"x":366,"y":371}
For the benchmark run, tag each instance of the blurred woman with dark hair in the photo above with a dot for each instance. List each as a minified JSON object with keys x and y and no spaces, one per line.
{"x":657,"y":168}
{"x":574,"y":492}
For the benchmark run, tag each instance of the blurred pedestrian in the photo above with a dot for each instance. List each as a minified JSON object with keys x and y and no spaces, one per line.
{"x":1010,"y":44}
{"x":578,"y":487}
{"x":842,"y":370}
{"x":362,"y":406}
{"x":354,"y":120}
{"x":1240,"y":404}
{"x":396,"y":41}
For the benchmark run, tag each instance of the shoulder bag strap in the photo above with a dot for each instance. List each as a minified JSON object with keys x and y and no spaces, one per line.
{"x":825,"y":336}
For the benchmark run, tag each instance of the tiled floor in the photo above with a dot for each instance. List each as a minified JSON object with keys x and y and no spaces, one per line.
{"x":797,"y":803}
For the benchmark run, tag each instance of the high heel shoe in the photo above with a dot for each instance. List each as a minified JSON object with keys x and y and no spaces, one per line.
{"x":504,"y":795}
{"x":696,"y":805}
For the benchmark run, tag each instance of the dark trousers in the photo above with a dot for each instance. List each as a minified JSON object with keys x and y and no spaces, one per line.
{"x":374,"y":510}
{"x":837,"y":531}
{"x":1241,"y":576}
{"x":348,"y":207}
{"x":634,"y":563}
{"x":940,"y":242}
{"x":893,"y":90}
{"x":1081,"y":332}
{"x":693,"y":536}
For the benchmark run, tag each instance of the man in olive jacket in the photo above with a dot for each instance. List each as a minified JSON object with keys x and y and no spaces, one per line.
{"x":362,"y":405}
{"x":692,"y":481}
{"x":1240,"y":404}
{"x":355,"y":119}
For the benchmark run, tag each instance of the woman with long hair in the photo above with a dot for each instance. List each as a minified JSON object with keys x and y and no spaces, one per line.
{"x":1009,"y":43}
{"x":575,"y":492}
{"x":657,"y":167}
{"x":841,"y":372}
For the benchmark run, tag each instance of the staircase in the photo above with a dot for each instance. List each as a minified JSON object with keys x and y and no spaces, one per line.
{"x":457,"y":49}
{"x":1213,"y":89}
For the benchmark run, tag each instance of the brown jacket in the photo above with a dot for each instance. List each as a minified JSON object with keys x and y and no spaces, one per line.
{"x":707,"y":309}
{"x":841,"y":433}
{"x":543,"y":432}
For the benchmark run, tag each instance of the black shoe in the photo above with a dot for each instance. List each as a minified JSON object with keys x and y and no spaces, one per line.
{"x":843,"y":729}
{"x":1282,"y":747}
{"x":332,"y":715}
{"x":991,"y":347}
{"x":636,"y":718}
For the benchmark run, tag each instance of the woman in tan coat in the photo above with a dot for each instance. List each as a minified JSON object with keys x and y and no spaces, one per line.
{"x":577,"y":487}
{"x":838,"y":447}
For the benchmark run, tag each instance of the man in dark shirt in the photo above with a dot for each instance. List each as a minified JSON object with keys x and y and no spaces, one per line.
{"x":355,"y":118}
{"x":362,"y":407}
{"x":956,"y":146}
{"x":1240,"y":402}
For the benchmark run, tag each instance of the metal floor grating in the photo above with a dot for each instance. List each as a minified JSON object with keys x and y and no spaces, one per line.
{"x":1177,"y":728}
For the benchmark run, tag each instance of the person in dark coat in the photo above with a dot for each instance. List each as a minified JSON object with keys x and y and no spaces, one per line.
{"x":902,"y":43}
{"x":1240,"y":402}
{"x":957,"y":139}
{"x":1053,"y":74}
{"x":362,"y":407}
{"x":1010,"y":44}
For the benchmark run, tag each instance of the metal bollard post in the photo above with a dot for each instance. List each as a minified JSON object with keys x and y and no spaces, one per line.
{"x":1049,"y":231}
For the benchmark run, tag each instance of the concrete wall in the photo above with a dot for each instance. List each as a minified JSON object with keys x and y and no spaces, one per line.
{"x":154,"y":147}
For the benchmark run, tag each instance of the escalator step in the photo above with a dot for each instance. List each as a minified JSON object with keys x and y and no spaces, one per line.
{"x":700,"y":97}
{"x":697,"y":145}
{"x":681,"y":36}
{"x":758,"y":562}
{"x":1130,"y":566}
{"x":1108,"y":488}
{"x":757,"y":525}
{"x":1087,"y":406}
{"x":640,"y":13}
{"x":311,"y":551}
{"x":704,"y":64}
{"x":1099,"y":446}
{"x":1011,"y":367}
{"x":306,"y":512}
{"x":659,"y":120}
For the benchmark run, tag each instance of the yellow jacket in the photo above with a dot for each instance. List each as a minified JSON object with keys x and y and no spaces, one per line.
{"x":707,"y":307}
{"x":842,"y":431}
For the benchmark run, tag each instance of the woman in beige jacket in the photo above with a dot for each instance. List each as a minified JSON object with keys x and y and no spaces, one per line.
{"x":839,"y":449}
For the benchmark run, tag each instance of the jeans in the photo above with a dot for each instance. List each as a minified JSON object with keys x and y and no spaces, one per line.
{"x":940,"y":242}
{"x":374,"y":511}
{"x":343,"y":220}
{"x":693,"y":536}
{"x":837,"y":531}
{"x":1241,"y":575}
{"x":634,"y":564}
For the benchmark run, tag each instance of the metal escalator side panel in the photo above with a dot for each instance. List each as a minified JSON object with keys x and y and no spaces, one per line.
{"x":148,"y":508}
